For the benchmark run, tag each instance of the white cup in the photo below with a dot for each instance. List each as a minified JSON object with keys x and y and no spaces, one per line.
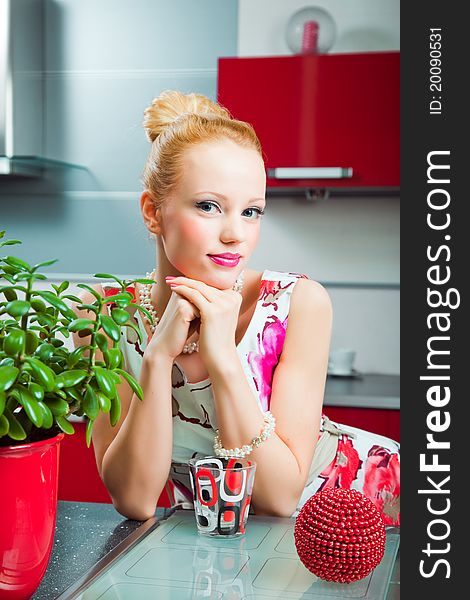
{"x":341,"y":361}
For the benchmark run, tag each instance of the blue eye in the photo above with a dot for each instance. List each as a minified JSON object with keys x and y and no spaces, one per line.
{"x":257,"y":212}
{"x":206,"y":206}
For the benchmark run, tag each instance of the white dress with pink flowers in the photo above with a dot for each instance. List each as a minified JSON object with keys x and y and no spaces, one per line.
{"x":362,"y":460}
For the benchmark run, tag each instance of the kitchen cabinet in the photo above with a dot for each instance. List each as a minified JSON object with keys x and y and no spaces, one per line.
{"x":370,"y":401}
{"x":336,"y":113}
{"x":377,"y":420}
{"x":79,"y":480}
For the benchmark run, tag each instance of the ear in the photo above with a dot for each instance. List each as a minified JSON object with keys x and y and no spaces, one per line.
{"x":150,"y":214}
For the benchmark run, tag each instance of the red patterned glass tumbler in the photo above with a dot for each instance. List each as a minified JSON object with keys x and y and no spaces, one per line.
{"x":222,"y":490}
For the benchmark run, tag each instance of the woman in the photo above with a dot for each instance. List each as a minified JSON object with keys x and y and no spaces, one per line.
{"x":235,"y":352}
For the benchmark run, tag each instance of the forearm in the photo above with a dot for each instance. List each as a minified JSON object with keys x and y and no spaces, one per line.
{"x":279,"y":478}
{"x":137,"y":462}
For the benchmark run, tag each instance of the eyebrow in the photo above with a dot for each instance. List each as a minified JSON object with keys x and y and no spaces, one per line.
{"x":225,"y":197}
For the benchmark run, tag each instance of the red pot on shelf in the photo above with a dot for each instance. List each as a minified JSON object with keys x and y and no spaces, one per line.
{"x":28,"y":508}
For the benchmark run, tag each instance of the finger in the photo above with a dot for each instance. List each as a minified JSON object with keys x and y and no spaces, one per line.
{"x":194,"y":296}
{"x":208,"y":291}
{"x":195,"y":312}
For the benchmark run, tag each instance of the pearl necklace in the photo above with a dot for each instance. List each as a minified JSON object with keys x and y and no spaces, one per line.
{"x":145,"y":301}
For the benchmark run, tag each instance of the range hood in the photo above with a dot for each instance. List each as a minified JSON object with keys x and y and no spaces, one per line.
{"x":21,"y":89}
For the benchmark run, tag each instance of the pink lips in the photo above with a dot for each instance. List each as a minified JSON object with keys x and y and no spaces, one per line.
{"x":225,"y":260}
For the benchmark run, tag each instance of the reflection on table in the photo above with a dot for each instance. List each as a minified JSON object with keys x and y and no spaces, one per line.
{"x":173,"y":561}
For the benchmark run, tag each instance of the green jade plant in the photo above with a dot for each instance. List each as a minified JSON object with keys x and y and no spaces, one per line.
{"x":42,"y":382}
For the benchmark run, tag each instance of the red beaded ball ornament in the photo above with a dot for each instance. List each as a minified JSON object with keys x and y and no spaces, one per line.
{"x":339,"y":535}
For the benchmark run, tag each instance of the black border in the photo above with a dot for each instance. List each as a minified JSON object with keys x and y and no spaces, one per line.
{"x":422,"y":133}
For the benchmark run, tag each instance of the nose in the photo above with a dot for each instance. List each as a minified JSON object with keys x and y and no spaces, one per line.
{"x":233,"y":229}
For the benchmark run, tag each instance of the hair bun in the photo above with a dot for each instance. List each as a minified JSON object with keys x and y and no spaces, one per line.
{"x":171,"y":105}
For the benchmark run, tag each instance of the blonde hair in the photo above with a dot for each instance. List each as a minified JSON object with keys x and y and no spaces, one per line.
{"x":174,"y":122}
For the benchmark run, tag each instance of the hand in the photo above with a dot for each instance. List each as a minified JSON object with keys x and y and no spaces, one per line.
{"x":218,"y":311}
{"x":177,"y":323}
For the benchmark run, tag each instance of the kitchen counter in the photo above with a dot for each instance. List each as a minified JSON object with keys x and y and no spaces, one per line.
{"x":363,"y":390}
{"x":86,"y":533}
{"x":91,"y":536}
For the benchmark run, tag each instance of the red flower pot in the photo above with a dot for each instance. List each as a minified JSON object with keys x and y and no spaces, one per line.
{"x":28,"y":508}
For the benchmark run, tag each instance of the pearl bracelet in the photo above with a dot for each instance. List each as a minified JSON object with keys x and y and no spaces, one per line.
{"x":268,"y":429}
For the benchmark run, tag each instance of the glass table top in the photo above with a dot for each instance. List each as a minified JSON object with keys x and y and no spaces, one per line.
{"x":172,"y":561}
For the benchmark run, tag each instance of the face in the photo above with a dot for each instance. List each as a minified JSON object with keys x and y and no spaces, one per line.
{"x":210,"y":224}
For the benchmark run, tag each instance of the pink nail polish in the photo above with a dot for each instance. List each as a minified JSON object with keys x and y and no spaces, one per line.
{"x":169,"y":278}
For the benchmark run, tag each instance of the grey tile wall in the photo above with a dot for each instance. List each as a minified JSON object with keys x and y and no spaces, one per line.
{"x":104,"y":63}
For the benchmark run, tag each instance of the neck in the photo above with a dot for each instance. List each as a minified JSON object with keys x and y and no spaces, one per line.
{"x":161,"y":292}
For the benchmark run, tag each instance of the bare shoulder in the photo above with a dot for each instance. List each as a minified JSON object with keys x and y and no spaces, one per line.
{"x":309,"y":296}
{"x":98,"y":287}
{"x":87,"y":297}
{"x":310,"y":318}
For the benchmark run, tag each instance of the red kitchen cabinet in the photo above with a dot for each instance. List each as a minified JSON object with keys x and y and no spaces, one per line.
{"x":79,"y":480}
{"x":383,"y":421}
{"x":333,"y":111}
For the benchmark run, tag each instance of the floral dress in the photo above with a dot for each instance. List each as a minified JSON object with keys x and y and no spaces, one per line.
{"x":359,"y":459}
